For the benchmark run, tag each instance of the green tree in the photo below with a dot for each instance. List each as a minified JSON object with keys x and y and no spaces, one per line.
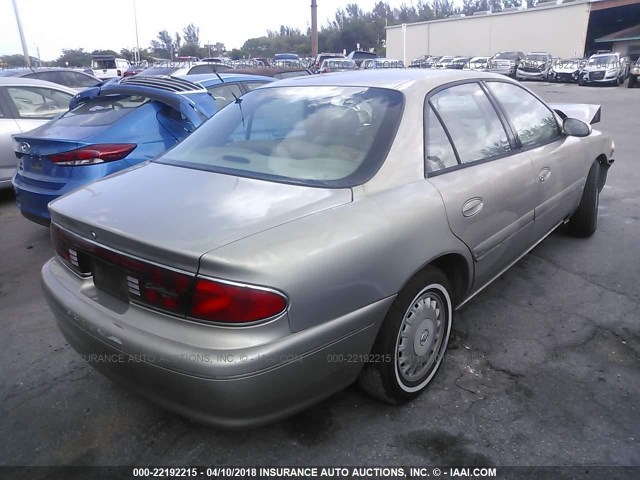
{"x":164,"y":46}
{"x":74,"y":58}
{"x":191,"y":35}
{"x":104,"y":52}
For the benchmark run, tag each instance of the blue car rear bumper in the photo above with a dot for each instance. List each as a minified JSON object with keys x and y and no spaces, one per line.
{"x":33,"y":193}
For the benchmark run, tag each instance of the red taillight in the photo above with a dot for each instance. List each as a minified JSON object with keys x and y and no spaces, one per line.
{"x":230,"y":303}
{"x":161,"y":288}
{"x":92,"y":154}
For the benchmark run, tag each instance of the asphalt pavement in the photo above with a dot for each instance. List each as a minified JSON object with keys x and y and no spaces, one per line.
{"x":543,"y":367}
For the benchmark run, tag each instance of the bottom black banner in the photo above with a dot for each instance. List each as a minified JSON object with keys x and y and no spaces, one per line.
{"x":322,"y":472}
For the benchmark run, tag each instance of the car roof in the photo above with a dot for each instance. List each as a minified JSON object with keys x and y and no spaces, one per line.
{"x":19,"y":72}
{"x":34,"y":82}
{"x":227,"y":77}
{"x":396,"y":79}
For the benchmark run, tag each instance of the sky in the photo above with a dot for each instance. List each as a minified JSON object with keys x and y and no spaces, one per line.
{"x":51,"y":25}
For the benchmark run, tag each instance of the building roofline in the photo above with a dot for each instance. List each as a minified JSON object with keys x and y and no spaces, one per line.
{"x":502,"y":12}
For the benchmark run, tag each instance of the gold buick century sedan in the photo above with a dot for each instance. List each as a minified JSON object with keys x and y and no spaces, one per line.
{"x":317,"y":231}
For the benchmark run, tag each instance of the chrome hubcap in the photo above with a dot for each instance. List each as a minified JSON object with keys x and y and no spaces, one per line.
{"x":421,"y":335}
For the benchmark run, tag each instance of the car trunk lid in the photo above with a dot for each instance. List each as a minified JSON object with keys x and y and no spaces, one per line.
{"x":173,"y":215}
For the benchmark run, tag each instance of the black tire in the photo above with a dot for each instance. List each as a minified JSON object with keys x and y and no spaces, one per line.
{"x":581,"y":82}
{"x":632,"y":81}
{"x":584,"y":221}
{"x":427,"y":298}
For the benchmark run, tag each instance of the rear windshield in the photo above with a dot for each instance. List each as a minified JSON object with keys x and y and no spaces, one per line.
{"x":361,"y":54}
{"x":320,"y":136}
{"x":339,"y":64}
{"x":536,"y":57}
{"x":102,"y":111}
{"x":104,"y":64}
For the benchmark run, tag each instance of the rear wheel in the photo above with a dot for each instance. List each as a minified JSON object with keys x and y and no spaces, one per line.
{"x":412,"y":340}
{"x":584,"y":221}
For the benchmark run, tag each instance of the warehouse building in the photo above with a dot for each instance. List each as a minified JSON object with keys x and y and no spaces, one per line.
{"x":563,"y":28}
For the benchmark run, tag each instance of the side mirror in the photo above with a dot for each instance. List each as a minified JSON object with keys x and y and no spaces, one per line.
{"x":575,"y":127}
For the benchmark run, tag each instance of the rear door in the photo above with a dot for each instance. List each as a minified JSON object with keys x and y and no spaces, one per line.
{"x":8,"y":126}
{"x":487,"y":186}
{"x":558,"y":160}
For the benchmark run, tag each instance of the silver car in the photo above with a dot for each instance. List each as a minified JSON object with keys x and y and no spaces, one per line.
{"x":318,"y":231}
{"x":25,"y":104}
{"x":608,"y":68}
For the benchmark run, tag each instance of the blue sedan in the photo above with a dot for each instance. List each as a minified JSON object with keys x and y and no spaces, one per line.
{"x":112,"y":127}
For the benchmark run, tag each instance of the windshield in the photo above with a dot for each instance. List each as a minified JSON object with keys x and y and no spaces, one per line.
{"x":317,"y":135}
{"x":603,"y":60}
{"x":537,"y":57}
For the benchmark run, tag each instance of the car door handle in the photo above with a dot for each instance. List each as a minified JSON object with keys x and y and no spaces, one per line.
{"x":544,"y":174}
{"x":472,"y":207}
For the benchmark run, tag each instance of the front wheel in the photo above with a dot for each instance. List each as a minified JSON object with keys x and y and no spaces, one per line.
{"x":412,"y":340}
{"x":584,"y":221}
{"x":632,"y":81}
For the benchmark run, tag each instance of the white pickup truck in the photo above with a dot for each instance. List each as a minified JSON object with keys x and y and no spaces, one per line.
{"x":108,"y":66}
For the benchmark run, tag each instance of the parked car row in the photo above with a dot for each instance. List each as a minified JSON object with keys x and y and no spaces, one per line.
{"x":611,"y":68}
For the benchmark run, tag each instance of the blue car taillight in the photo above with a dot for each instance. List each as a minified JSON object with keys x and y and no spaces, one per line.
{"x":93,"y":154}
{"x":165,"y":289}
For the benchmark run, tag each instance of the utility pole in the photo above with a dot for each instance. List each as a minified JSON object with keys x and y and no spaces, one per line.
{"x":314,"y":29}
{"x":135,"y":19}
{"x":27,"y":59}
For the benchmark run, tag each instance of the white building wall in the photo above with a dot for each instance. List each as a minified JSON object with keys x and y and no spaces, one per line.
{"x":560,"y":30}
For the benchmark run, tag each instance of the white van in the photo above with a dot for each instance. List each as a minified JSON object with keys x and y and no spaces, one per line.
{"x":108,"y":66}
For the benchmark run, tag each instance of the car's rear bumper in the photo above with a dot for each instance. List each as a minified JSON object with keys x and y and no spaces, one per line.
{"x":271,"y":380}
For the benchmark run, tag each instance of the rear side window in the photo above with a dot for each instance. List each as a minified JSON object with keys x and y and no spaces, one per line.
{"x":38,"y":102}
{"x":534,"y":123}
{"x":253,"y":85}
{"x":472,"y":122}
{"x":102,"y":111}
{"x":52,"y":76}
{"x":224,"y":94}
{"x":439,"y":152}
{"x":75,"y":79}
